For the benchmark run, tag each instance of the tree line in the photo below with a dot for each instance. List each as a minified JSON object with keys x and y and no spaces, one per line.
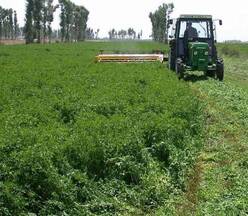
{"x":9,"y":28}
{"x":90,"y":34}
{"x":38,"y":20}
{"x":122,"y":34}
{"x":160,"y":23}
{"x":73,"y":21}
{"x":40,"y":15}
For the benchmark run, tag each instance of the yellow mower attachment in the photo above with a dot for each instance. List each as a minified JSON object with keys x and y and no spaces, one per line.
{"x":130,"y":57}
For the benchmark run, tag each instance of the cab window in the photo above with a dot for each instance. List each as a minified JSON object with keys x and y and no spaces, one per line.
{"x":202,"y":28}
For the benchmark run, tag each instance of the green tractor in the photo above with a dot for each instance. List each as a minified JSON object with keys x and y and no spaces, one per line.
{"x":192,"y":46}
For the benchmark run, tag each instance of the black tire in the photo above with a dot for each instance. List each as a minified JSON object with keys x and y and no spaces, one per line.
{"x":211,"y":74}
{"x":179,"y":68}
{"x":171,"y":61}
{"x":220,"y":70}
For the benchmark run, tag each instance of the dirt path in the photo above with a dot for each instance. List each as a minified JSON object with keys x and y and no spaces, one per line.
{"x":11,"y":42}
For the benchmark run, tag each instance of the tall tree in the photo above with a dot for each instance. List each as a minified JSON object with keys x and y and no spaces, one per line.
{"x":1,"y":22}
{"x":97,"y":33}
{"x":44,"y":20}
{"x":112,"y":34}
{"x":159,"y":21}
{"x":69,"y":20}
{"x":131,"y":33}
{"x":85,"y":15}
{"x":62,"y":20}
{"x":29,"y":36}
{"x":40,"y":15}
{"x":16,"y":27}
{"x":73,"y":21}
{"x":8,"y":23}
{"x":122,"y":34}
{"x":50,"y":17}
{"x":37,"y":16}
{"x":82,"y":23}
{"x":89,"y":34}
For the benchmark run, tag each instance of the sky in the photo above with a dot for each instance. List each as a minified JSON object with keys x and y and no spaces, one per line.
{"x":122,"y":14}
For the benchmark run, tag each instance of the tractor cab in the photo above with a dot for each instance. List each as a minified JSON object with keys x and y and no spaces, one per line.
{"x":192,"y":46}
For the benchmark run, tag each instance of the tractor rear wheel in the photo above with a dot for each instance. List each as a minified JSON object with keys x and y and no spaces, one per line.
{"x":171,"y":60}
{"x":179,"y":68}
{"x":220,"y":70}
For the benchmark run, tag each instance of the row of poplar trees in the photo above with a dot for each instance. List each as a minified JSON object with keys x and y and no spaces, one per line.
{"x":160,"y":24}
{"x":73,"y":21}
{"x":9,"y":28}
{"x":40,"y":15}
{"x":122,"y":34}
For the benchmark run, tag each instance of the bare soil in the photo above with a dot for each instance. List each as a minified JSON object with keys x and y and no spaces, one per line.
{"x":11,"y":42}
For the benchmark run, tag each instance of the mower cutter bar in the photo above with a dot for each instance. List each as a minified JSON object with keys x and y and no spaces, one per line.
{"x":130,"y":57}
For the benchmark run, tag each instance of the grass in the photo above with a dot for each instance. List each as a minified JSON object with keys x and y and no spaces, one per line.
{"x":236,"y":66}
{"x":223,"y":188}
{"x":220,"y":174}
{"x":82,"y":138}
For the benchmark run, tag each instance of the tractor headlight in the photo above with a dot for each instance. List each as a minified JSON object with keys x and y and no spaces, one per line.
{"x":195,"y":53}
{"x":206,"y":53}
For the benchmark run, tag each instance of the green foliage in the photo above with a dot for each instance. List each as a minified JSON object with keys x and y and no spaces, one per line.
{"x":222,"y":189}
{"x":81,"y":138}
{"x":159,"y":21}
{"x":29,"y":22}
{"x":40,"y":15}
{"x":122,"y":34}
{"x":16,"y":26}
{"x":226,"y":50}
{"x":8,"y":23}
{"x":236,"y":64}
{"x":73,"y":21}
{"x":37,"y":18}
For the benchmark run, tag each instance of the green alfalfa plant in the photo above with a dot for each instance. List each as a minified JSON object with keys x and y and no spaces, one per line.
{"x":226,"y":50}
{"x":94,"y":138}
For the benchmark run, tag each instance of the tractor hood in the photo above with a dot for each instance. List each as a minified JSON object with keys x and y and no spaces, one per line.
{"x":199,"y":55}
{"x":198,"y":45}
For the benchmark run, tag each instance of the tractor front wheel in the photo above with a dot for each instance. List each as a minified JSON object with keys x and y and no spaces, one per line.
{"x":210,"y":73}
{"x":220,"y":70}
{"x":179,"y":68}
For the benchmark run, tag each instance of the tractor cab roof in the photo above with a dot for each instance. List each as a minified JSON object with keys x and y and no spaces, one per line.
{"x":195,"y":16}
